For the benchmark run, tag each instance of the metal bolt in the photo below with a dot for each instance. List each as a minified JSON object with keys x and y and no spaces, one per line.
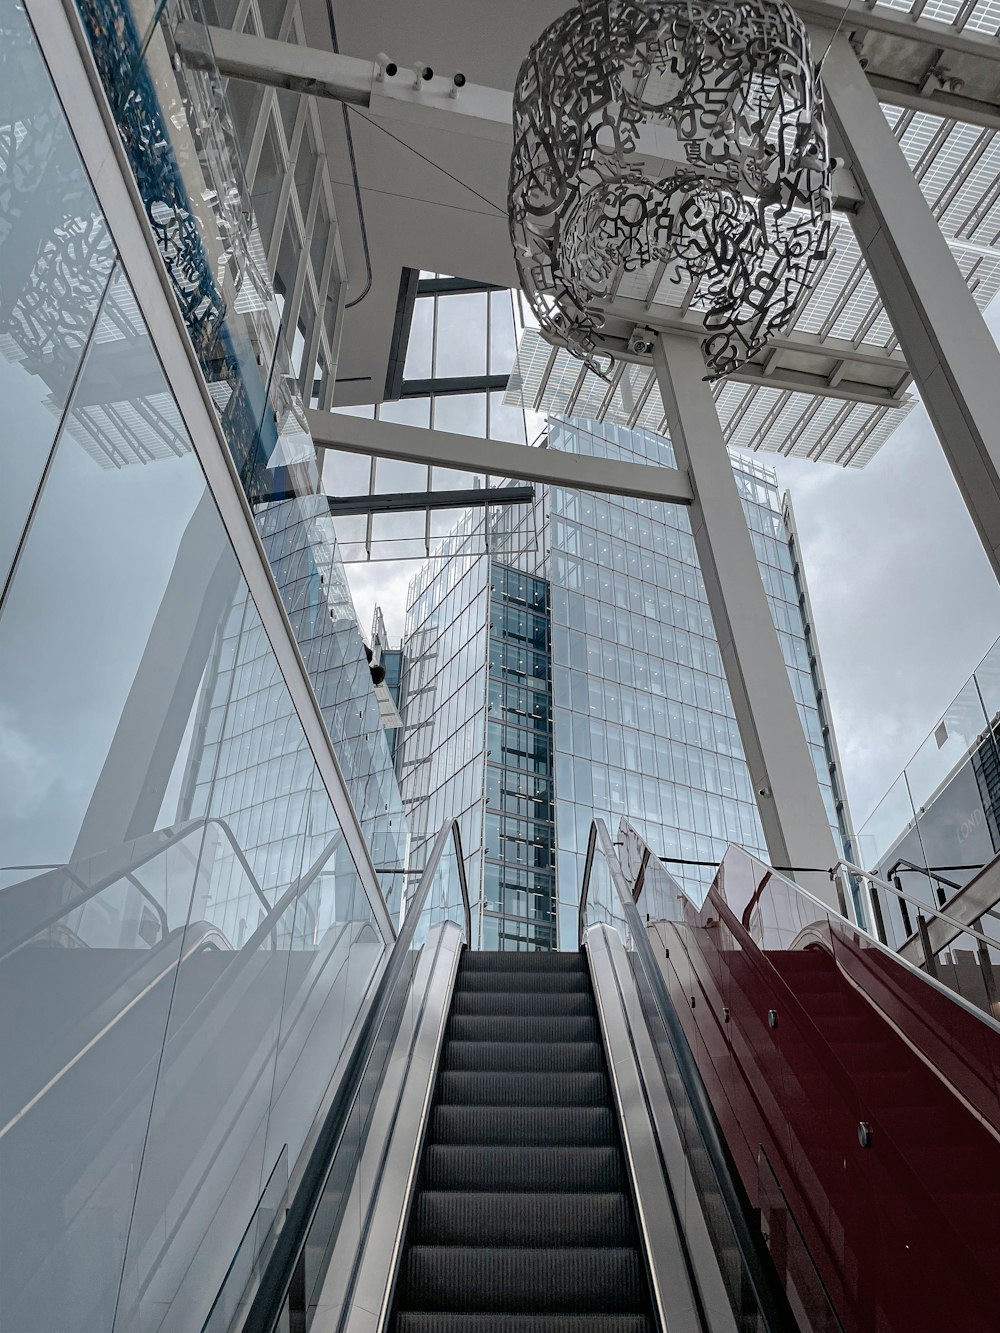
{"x":864,"y":1134}
{"x":772,"y":1018}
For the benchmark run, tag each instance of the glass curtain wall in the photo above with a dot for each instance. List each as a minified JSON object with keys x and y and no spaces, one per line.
{"x":442,"y":758}
{"x":639,"y":710}
{"x":185,"y":939}
{"x":644,"y":723}
{"x":641,"y":717}
{"x":519,"y":891}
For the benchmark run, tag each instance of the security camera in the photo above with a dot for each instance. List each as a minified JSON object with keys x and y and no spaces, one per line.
{"x":421,"y":74}
{"x":387,"y":68}
{"x":458,"y":81}
{"x":641,"y":342}
{"x":764,"y":791}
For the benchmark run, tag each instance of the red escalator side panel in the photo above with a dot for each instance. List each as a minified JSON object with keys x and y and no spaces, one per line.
{"x":801,"y":1062}
{"x":957,"y":1043}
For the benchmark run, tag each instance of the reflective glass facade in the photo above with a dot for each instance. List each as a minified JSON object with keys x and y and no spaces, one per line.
{"x":442,"y":757}
{"x":519,"y":871}
{"x":185,"y":937}
{"x":641,"y":719}
{"x":644,"y":722}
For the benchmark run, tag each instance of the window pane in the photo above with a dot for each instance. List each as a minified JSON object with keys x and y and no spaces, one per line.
{"x":503,"y":339}
{"x":464,"y":413}
{"x":421,"y":342}
{"x":461,"y":335}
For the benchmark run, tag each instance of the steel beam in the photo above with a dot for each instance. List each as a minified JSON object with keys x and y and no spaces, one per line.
{"x":939,"y":38}
{"x":470,"y":453}
{"x":841,"y":367}
{"x":957,"y":106}
{"x":474,"y":109}
{"x":453,"y":384}
{"x":784,"y":780}
{"x":403,"y":502}
{"x":949,"y":349}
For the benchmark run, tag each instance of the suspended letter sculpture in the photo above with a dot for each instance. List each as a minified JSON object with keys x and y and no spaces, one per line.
{"x":744,"y":222}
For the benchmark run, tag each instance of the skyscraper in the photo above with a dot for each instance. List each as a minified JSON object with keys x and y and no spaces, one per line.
{"x":561,"y":663}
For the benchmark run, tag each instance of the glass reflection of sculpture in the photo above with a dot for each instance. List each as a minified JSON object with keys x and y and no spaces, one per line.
{"x":741,"y":217}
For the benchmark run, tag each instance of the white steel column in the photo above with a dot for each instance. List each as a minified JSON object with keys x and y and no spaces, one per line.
{"x":781,"y":769}
{"x":949,"y":350}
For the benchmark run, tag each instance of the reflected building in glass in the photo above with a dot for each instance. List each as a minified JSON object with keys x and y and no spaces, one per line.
{"x":189,"y":914}
{"x":573,"y":671}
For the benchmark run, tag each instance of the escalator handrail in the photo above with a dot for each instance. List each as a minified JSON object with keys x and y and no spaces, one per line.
{"x":180,"y":935}
{"x":768,"y":1293}
{"x":172,"y":836}
{"x":278,"y":1272}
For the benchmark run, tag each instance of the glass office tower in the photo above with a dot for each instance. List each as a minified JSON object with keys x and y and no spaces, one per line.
{"x":598,"y":690}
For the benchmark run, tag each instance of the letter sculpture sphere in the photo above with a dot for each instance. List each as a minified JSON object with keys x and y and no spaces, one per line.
{"x":744,"y":224}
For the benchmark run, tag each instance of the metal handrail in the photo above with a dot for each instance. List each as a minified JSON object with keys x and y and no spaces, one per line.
{"x":769,"y":1295}
{"x":278,"y":1274}
{"x":922,"y":908}
{"x":901,"y":862}
{"x":155,"y":903}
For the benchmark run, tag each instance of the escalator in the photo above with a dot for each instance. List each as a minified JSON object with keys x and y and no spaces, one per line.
{"x":857,"y":1096}
{"x":950,"y":1150}
{"x":523,"y":1220}
{"x":742,"y":1115}
{"x":515,"y":1149}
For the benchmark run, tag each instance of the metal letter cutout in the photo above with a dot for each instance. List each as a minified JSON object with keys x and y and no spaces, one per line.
{"x":741,"y":219}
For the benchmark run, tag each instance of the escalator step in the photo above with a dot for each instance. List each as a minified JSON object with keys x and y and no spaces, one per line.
{"x":557,"y":1057}
{"x":459,"y":1088}
{"x":503,"y":1003}
{"x":494,"y":1280}
{"x":549,"y":1170}
{"x":524,"y":1126}
{"x":523,"y":982}
{"x":429,"y":1321}
{"x":467,"y":1028}
{"x":453,"y":1217}
{"x":485,"y":960}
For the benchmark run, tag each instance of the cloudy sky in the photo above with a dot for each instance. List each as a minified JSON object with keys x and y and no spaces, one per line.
{"x":904,"y":600}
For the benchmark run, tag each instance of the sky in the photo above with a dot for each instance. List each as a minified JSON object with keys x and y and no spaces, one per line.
{"x":904,"y":602}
